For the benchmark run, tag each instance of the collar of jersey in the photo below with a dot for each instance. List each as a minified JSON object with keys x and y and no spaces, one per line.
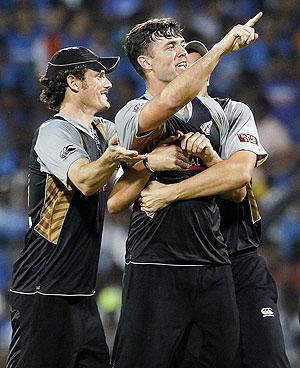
{"x":77,"y":124}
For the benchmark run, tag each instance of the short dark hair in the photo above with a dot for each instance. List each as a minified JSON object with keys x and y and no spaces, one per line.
{"x":139,"y":38}
{"x":53,"y":91}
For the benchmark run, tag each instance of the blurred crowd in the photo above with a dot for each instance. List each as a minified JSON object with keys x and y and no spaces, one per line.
{"x":265,"y":75}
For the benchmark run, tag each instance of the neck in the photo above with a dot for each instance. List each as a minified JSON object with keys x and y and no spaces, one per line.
{"x":80,"y":114}
{"x":203,"y":92}
{"x":155,"y":87}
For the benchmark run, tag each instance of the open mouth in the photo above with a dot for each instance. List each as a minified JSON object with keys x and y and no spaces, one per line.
{"x":183,"y":65}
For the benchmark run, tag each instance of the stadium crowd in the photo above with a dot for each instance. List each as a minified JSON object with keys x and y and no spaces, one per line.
{"x":266,"y":76}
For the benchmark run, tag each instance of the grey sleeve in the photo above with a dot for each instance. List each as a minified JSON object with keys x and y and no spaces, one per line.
{"x":127,"y":121}
{"x":242,"y":134}
{"x":109,"y":128}
{"x":58,"y":146}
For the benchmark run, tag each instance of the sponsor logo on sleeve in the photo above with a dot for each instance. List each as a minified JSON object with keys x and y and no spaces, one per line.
{"x":67,"y":151}
{"x":248,"y":138}
{"x":137,"y":107}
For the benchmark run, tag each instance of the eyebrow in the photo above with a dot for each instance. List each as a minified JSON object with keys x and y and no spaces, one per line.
{"x":170,"y":42}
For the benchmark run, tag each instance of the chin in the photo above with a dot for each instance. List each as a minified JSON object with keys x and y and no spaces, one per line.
{"x":105,"y":106}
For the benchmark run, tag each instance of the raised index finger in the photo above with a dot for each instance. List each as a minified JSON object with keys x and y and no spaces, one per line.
{"x":251,"y":22}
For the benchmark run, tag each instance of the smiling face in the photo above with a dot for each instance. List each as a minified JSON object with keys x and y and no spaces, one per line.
{"x":93,"y":91}
{"x":169,"y":58}
{"x":166,"y":59}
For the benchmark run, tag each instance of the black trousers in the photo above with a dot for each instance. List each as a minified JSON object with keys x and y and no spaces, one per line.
{"x":262,"y":343}
{"x":56,"y":332}
{"x":161,"y":303}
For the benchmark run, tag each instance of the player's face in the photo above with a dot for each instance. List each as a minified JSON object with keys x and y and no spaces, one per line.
{"x":168,"y":58}
{"x":94,"y":90}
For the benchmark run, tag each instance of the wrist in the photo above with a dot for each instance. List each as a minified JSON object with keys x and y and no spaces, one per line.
{"x":174,"y":193}
{"x":147,"y":165}
{"x":110,"y":159}
{"x":214,"y":160}
{"x":219,"y":50}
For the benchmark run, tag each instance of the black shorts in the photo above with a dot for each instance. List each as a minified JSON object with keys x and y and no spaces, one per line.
{"x":262,"y":344}
{"x":161,"y":303}
{"x":56,"y":332}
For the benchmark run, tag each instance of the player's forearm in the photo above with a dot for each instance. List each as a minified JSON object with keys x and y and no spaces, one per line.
{"x":218,"y":179}
{"x":89,"y":177}
{"x":188,"y":84}
{"x":179,"y":92}
{"x":128,"y":188}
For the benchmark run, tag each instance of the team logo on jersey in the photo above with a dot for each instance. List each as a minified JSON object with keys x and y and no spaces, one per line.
{"x":67,"y":150}
{"x":248,"y":138}
{"x":267,"y":312}
{"x":137,"y":107}
{"x":206,"y":127}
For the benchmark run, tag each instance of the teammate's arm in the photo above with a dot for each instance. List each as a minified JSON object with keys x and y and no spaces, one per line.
{"x":233,"y":173}
{"x":89,"y":177}
{"x":188,"y":84}
{"x":128,"y":188}
{"x":198,"y":145}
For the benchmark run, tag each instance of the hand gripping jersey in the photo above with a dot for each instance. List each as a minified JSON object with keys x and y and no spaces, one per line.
{"x":185,"y":232}
{"x":62,"y":244}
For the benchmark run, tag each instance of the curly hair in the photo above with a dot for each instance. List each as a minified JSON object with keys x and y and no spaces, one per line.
{"x":53,"y":91}
{"x":139,"y":38}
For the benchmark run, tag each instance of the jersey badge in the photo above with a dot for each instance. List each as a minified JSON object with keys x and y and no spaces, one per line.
{"x":137,"y":107}
{"x":248,"y":138}
{"x":267,"y":312}
{"x":206,"y":127}
{"x":66,"y":151}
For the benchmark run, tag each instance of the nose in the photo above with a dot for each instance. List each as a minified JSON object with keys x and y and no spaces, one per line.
{"x":181,"y":51}
{"x":108,"y":83}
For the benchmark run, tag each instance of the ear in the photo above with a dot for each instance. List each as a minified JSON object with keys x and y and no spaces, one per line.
{"x":72,"y":82}
{"x":145,"y":62}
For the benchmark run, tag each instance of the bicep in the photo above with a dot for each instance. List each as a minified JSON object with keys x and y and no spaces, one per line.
{"x":75,"y":169}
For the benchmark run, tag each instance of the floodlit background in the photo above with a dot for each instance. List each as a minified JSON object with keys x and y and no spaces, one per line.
{"x":266,"y":76}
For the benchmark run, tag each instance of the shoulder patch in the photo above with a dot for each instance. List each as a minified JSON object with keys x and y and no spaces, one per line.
{"x":248,"y":138}
{"x":67,"y":151}
{"x":137,"y":107}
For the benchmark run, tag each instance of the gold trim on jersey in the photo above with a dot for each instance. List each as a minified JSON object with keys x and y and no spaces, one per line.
{"x":255,"y":215}
{"x":101,"y":129}
{"x":56,"y":205}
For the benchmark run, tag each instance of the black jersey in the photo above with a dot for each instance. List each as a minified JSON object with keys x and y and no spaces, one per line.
{"x":240,"y":224}
{"x":185,"y":232}
{"x":62,"y":244}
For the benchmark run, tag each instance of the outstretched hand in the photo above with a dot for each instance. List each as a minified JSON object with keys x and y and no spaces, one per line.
{"x":240,"y":35}
{"x":120,"y":154}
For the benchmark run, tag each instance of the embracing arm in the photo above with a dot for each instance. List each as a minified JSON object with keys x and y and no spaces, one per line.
{"x":128,"y":188}
{"x":218,"y":179}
